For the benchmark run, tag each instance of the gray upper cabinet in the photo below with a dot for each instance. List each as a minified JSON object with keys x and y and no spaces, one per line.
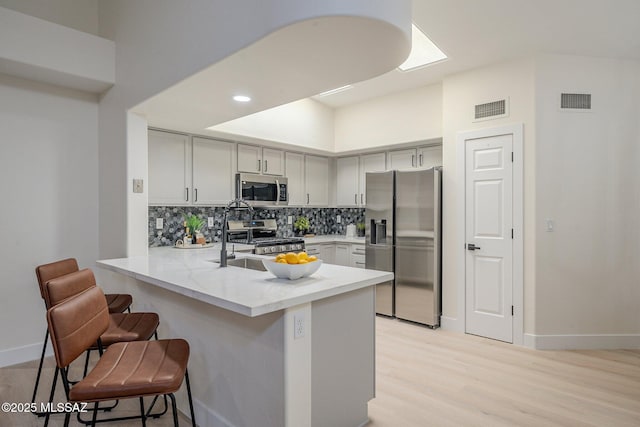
{"x":375,"y":162}
{"x":259,"y":160}
{"x":316,"y":179}
{"x":294,"y":171}
{"x":416,"y":158}
{"x":351,"y":180}
{"x":347,"y":182}
{"x":189,"y":171}
{"x":213,"y":175}
{"x":169,"y":168}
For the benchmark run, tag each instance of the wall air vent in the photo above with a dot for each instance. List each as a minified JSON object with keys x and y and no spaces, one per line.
{"x":575,"y":101}
{"x":491,"y":110}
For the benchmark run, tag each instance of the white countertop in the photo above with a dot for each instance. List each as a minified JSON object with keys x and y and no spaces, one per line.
{"x":249,"y":292}
{"x":333,"y":238}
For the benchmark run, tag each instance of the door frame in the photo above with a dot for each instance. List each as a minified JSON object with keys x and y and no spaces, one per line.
{"x":518,"y":222}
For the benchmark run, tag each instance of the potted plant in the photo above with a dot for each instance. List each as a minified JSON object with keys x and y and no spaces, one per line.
{"x":193,"y":225}
{"x":302,"y":225}
{"x":360,"y":229}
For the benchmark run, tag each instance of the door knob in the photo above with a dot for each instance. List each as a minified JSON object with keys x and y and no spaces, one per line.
{"x":472,"y":247}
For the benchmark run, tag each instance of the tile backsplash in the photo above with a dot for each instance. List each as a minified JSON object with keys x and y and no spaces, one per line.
{"x":323,"y":220}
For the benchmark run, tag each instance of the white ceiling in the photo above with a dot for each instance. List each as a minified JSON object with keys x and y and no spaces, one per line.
{"x":472,"y":33}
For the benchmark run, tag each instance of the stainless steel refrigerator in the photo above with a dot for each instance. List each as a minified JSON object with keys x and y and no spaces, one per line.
{"x":403,"y":235}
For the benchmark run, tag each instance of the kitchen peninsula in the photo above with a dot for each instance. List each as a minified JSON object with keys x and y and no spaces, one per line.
{"x":264,"y":351}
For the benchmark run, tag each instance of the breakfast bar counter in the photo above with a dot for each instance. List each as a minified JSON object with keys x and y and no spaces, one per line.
{"x":264,"y":351}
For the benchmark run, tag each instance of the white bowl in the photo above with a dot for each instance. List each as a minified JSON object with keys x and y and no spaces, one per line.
{"x":291,"y":271}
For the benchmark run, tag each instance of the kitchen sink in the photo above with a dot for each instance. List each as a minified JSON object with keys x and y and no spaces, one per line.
{"x":250,"y":263}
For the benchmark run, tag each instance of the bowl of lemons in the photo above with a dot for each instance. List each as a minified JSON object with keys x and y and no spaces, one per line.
{"x":292,"y":265}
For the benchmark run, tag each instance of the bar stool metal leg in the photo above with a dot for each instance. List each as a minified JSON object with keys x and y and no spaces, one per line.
{"x":35,"y":388}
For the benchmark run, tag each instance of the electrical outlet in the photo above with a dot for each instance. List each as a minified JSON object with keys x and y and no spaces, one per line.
{"x":298,"y":325}
{"x":550,"y":225}
{"x":210,"y":222}
{"x":338,"y":219}
{"x":289,"y":220}
{"x":159,"y":223}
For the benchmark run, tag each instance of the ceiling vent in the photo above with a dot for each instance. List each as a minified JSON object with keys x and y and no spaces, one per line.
{"x":575,"y":101}
{"x":491,"y":110}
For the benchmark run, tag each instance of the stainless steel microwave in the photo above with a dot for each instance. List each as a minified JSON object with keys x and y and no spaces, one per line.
{"x":262,"y":190}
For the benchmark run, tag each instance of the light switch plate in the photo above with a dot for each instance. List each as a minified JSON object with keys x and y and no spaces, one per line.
{"x":159,"y":223}
{"x":550,"y":225}
{"x":289,"y":220}
{"x":138,"y":185}
{"x":210,"y":221}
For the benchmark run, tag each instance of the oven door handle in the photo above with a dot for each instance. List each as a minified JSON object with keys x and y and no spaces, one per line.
{"x":277,"y":192}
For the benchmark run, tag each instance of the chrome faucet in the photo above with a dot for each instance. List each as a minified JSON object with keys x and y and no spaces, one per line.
{"x":225,"y":231}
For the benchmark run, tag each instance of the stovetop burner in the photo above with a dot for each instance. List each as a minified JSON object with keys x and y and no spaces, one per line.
{"x":277,"y":246}
{"x":264,"y":240}
{"x":283,"y":241}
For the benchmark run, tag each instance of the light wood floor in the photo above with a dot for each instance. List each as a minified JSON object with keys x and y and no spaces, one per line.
{"x":438,"y":378}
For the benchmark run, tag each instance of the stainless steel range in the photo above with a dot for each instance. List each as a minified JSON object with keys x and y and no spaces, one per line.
{"x":262,"y":234}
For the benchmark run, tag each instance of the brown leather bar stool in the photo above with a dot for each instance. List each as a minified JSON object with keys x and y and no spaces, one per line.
{"x":122,"y":326}
{"x":118,"y":303}
{"x":136,"y":369}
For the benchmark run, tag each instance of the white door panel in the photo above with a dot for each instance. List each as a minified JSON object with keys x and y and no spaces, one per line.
{"x":489,"y":279}
{"x":489,"y":223}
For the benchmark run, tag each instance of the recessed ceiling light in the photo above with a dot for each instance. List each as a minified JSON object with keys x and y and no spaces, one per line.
{"x":241,"y":98}
{"x":423,"y":51}
{"x":336,"y":90}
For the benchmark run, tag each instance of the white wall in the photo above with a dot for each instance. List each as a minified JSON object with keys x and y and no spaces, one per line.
{"x":306,"y":122}
{"x":48,"y":170}
{"x":34,"y":49}
{"x":588,"y":182}
{"x":413,"y":115}
{"x":78,"y":14}
{"x":460,"y":93}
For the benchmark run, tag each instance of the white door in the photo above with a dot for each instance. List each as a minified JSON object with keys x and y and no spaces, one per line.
{"x":489,"y":225}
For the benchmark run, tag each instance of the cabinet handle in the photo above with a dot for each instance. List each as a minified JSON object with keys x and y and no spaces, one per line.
{"x":258,"y":165}
{"x":361,"y":199}
{"x":265,"y":166}
{"x":186,"y":192}
{"x":195,"y":199}
{"x":307,"y":198}
{"x":420,"y":160}
{"x":413,"y":160}
{"x":355,"y":200}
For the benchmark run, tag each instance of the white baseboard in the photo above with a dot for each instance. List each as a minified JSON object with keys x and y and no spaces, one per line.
{"x":451,"y":324}
{"x":582,"y":342}
{"x":27,"y":353}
